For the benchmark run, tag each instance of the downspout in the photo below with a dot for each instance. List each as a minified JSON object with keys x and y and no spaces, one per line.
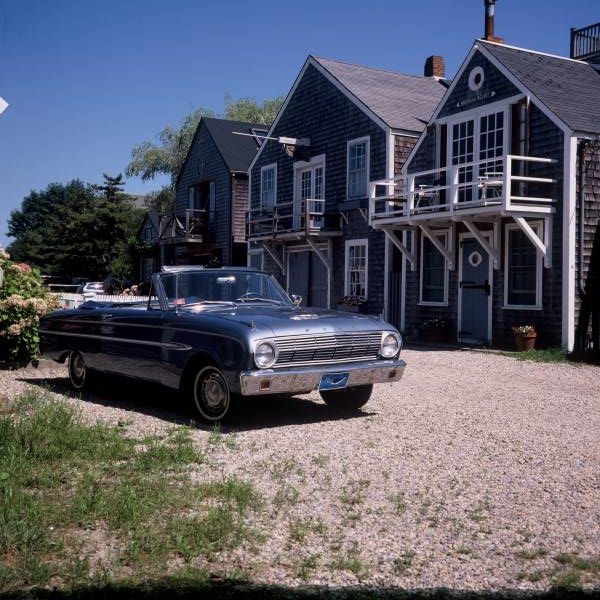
{"x":581,"y":209}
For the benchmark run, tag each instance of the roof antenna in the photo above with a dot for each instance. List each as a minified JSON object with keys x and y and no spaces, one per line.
{"x":489,"y":22}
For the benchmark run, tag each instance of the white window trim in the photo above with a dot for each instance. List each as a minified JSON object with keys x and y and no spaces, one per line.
{"x":537,"y":226}
{"x":256,"y":252}
{"x":350,"y":143}
{"x":446,"y":234}
{"x":357,"y":242}
{"x":265,"y":168}
{"x":300,"y":165}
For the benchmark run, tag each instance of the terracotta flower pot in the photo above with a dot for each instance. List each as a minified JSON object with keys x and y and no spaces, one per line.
{"x":525,"y":341}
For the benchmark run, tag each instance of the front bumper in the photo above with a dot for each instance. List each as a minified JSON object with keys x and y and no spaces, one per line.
{"x":302,"y":380}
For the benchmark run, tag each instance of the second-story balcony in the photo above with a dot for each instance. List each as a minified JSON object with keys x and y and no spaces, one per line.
{"x":502,"y":186}
{"x":293,"y":220}
{"x":188,"y":226}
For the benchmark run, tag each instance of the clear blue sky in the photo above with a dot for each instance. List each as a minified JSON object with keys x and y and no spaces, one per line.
{"x":88,"y":79}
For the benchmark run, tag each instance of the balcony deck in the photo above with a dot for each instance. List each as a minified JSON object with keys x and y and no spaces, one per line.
{"x":192,"y":226}
{"x":292,"y":220}
{"x":481,"y":190}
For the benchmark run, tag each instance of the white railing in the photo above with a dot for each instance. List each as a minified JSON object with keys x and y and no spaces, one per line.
{"x":68,"y":300}
{"x":475,"y":184}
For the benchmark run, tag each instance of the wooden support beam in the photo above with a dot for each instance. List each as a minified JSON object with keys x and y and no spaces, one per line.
{"x":532,"y":235}
{"x":278,"y":262}
{"x":410,"y":256}
{"x":492,"y":250}
{"x":447,"y":253}
{"x":326,"y":261}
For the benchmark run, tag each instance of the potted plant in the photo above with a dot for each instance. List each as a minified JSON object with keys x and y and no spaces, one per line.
{"x":352,"y":304}
{"x":525,"y":336}
{"x":435,"y":329}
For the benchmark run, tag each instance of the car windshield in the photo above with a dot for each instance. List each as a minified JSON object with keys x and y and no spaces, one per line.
{"x":188,"y":288}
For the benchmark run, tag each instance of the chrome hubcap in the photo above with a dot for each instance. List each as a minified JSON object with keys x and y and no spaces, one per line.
{"x":213,"y":391}
{"x":77,"y":368}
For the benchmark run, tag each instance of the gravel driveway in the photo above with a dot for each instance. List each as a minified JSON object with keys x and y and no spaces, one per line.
{"x":475,"y":471}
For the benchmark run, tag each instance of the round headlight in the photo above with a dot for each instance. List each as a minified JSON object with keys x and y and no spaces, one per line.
{"x":264,"y":355}
{"x":390,"y":345}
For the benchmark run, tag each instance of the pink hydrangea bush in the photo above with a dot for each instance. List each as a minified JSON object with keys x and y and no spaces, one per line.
{"x":23,"y":300}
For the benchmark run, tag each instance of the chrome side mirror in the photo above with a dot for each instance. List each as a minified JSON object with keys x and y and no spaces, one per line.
{"x":296,"y":299}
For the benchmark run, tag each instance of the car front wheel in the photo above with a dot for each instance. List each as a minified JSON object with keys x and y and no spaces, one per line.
{"x":78,"y":372}
{"x":211,"y":394}
{"x":347,"y":399}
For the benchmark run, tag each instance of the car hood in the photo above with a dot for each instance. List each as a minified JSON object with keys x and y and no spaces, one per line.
{"x":287,"y":320}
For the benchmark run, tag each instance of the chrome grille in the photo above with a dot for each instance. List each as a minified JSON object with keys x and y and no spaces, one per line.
{"x":327,"y":347}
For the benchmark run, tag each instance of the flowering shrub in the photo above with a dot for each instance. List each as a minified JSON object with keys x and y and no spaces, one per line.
{"x":523,"y":329}
{"x":435,"y":323}
{"x":23,"y":300}
{"x":352,"y":301}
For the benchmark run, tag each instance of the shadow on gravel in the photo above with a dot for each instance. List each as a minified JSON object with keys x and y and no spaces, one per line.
{"x":235,"y":591}
{"x":163,"y":403}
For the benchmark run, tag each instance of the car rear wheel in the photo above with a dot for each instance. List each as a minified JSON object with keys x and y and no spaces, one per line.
{"x":78,"y":371}
{"x":347,"y":399}
{"x":211,"y":394}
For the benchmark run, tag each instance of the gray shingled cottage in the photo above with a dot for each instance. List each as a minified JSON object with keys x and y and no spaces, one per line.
{"x":496,"y":211}
{"x":340,"y":127}
{"x":208,"y":225}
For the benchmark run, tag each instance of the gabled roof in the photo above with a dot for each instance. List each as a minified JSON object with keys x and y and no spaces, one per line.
{"x":403,"y":102}
{"x":569,"y":88}
{"x":237,"y":150}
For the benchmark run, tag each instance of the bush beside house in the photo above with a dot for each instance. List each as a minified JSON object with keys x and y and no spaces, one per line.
{"x":23,"y":300}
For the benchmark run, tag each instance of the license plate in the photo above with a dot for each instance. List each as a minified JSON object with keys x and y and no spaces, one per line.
{"x":333,"y":381}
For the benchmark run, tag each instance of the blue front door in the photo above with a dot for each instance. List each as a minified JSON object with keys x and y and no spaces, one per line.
{"x":475,"y":293}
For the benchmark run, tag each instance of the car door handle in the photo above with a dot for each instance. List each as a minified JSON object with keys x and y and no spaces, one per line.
{"x":105,"y":316}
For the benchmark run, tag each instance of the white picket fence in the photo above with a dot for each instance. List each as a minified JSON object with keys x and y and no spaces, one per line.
{"x":68,"y":300}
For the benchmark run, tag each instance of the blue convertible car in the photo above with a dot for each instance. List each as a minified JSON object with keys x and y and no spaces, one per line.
{"x":218,"y":333}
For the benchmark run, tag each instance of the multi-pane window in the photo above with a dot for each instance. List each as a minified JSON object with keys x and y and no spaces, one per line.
{"x":434,"y":272}
{"x":358,"y":168}
{"x":267,"y":186}
{"x":491,"y":144}
{"x":462,"y":152}
{"x":356,"y":268}
{"x":522,"y":269}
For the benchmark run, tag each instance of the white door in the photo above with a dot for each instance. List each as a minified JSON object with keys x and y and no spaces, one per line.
{"x":309,"y":195}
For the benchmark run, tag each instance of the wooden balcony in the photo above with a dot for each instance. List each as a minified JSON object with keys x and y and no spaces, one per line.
{"x":585,"y":43}
{"x":292,"y":220}
{"x":520,"y":187}
{"x":495,"y":187}
{"x":191,"y":226}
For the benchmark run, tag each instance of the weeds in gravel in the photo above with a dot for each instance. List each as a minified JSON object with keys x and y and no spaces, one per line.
{"x":307,"y":566}
{"x":464,"y":550}
{"x":286,"y":495}
{"x":350,"y":561}
{"x":217,"y":438}
{"x":531,"y":554}
{"x":61,"y":479}
{"x":403,"y":562}
{"x":399,"y":503}
{"x":353,"y":493}
{"x":299,"y":529}
{"x":545,"y":355}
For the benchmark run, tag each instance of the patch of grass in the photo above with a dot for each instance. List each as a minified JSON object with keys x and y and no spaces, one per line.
{"x":570,"y":580}
{"x":353,"y":493}
{"x":533,"y":576}
{"x":320,"y":460}
{"x":545,"y":355}
{"x":299,"y":530}
{"x":403,"y":562}
{"x":399,"y":503}
{"x":60,"y":476}
{"x":577,"y":562}
{"x":531,"y":554}
{"x":464,"y":550}
{"x":282,"y":470}
{"x":286,"y":495}
{"x":217,"y":438}
{"x":307,"y":566}
{"x":350,"y":561}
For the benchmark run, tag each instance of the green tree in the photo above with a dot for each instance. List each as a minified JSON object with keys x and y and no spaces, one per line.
{"x":248,"y":109}
{"x":74,"y":230}
{"x":112,"y":188}
{"x":166,"y":157}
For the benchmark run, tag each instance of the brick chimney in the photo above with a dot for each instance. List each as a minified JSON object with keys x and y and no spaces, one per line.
{"x":435,"y":67}
{"x":490,"y":22}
